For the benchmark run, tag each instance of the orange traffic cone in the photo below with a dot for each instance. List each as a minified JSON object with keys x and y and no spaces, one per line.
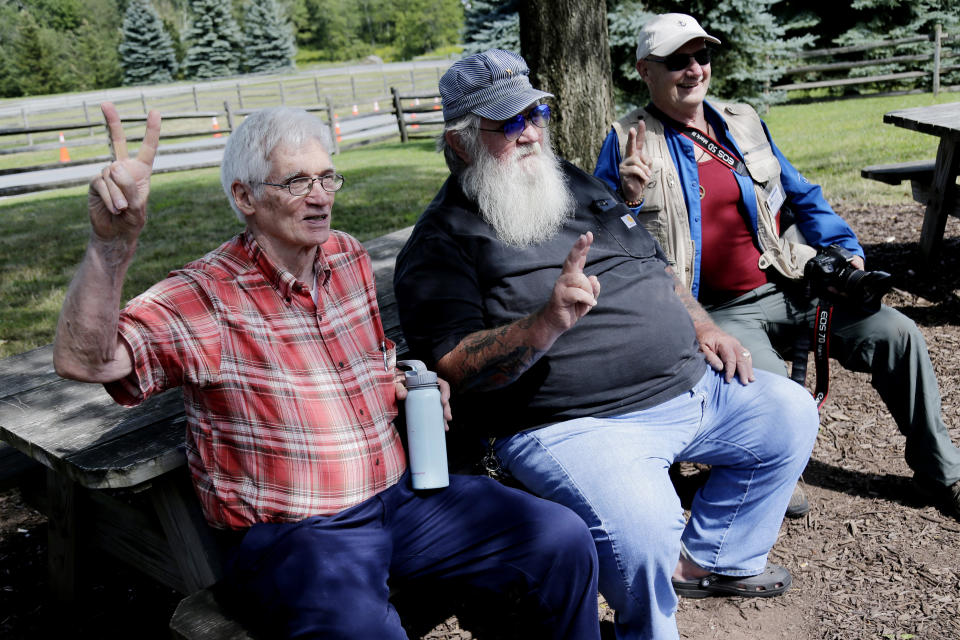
{"x":336,"y":127}
{"x":355,"y":110}
{"x":216,"y":128}
{"x":64,"y":154}
{"x":436,"y":104}
{"x":414,"y":125}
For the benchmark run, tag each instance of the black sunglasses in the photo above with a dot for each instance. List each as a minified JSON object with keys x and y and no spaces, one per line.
{"x":680,"y":61}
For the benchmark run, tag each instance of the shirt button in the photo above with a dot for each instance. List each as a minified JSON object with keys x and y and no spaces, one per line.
{"x":377,"y":462}
{"x":340,"y":364}
{"x":361,"y":411}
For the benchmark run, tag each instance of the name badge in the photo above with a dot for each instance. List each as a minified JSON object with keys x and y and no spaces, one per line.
{"x":774,"y":195}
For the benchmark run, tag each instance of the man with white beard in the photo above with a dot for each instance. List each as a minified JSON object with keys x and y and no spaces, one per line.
{"x":587,"y":400}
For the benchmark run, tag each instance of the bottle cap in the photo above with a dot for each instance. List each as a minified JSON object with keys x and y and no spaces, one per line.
{"x":418,"y":376}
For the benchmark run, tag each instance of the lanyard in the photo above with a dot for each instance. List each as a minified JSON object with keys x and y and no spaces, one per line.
{"x":703,"y":141}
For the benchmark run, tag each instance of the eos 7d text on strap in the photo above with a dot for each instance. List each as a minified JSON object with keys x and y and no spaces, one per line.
{"x":702,"y":140}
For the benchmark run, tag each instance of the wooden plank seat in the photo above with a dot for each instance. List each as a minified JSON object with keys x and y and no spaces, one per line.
{"x":919,"y":173}
{"x":894,"y":174}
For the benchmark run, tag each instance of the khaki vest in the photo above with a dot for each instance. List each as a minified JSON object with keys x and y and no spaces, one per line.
{"x":664,"y":210}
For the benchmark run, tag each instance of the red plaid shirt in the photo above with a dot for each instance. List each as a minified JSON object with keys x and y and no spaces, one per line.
{"x":289,"y":406}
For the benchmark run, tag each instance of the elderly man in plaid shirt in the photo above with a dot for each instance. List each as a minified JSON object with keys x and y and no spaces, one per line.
{"x":290,"y":390}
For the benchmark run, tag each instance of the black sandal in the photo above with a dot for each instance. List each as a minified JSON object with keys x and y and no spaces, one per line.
{"x":772,"y":582}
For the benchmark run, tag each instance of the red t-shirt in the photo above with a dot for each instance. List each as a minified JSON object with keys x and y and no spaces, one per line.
{"x":728,"y":255}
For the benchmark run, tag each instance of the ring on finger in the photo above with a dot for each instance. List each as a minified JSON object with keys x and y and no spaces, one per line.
{"x":745,"y":354}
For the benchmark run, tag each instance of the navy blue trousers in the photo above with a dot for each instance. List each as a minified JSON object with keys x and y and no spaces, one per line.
{"x":330,"y":576}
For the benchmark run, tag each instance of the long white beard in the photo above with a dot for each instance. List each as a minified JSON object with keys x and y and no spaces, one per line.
{"x":525,"y":199}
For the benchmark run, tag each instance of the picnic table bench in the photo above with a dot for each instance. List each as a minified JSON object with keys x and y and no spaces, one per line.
{"x":116,"y":478}
{"x":934,"y":182}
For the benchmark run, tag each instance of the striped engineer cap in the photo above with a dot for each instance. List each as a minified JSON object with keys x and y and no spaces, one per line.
{"x":493,"y":84}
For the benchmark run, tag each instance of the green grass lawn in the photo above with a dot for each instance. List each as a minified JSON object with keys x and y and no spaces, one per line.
{"x":831,"y":141}
{"x":43,"y":236}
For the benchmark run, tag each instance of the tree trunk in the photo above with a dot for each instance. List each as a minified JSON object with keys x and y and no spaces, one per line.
{"x":565,"y":43}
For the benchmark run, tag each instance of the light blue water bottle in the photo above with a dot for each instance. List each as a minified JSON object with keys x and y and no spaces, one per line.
{"x":426,"y":437}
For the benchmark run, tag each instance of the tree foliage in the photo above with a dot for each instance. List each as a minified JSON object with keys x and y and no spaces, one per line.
{"x":214,"y":40}
{"x":492,"y":24}
{"x":146,"y":52}
{"x":351,"y":29}
{"x":267,"y":38}
{"x":51,"y":46}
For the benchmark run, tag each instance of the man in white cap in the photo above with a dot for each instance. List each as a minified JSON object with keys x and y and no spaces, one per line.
{"x":587,"y":400}
{"x":709,"y":183}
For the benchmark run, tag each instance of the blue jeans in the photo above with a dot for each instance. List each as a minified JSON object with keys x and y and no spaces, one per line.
{"x":614,"y":473}
{"x":327,"y":576}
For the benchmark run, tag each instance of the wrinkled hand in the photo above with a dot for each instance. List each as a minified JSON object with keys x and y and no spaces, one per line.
{"x":574,"y":294}
{"x":635,"y":169}
{"x":398,"y":379}
{"x":117,"y":198}
{"x":725,"y":353}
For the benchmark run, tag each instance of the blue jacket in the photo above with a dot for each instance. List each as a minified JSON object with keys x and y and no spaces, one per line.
{"x":816,"y":220}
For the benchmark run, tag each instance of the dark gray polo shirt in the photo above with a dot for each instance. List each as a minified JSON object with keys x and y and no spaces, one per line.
{"x":635,"y":349}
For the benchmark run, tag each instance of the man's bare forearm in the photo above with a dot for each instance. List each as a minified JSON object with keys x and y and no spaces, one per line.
{"x":86,"y":346}
{"x":494,"y":358}
{"x":701,"y":319}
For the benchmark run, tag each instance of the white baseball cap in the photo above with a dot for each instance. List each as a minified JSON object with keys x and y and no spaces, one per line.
{"x":667,"y":32}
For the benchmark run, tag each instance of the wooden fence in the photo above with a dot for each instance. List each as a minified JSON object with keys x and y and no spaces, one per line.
{"x":354,"y":93}
{"x":407,"y":114}
{"x":885,"y":67}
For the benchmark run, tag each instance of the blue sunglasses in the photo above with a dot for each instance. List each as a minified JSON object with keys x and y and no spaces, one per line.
{"x":514,"y":127}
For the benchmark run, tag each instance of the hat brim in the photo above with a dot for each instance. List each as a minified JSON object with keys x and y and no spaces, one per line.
{"x":669,"y":46}
{"x":510,"y":105}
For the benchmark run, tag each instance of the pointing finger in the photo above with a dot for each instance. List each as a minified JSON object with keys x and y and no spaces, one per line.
{"x":578,"y":254}
{"x":117,"y":140}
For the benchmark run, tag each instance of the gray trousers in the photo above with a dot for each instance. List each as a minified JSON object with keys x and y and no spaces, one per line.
{"x":887,"y":345}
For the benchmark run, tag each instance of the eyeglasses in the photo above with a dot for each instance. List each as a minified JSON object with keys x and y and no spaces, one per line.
{"x":680,"y":61}
{"x":302,"y":186}
{"x":514,"y":127}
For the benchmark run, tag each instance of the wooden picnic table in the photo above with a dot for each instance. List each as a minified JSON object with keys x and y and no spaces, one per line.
{"x":116,"y":478}
{"x":942,"y":198}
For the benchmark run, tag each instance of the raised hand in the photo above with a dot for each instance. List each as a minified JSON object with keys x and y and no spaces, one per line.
{"x":635,"y":169}
{"x":117,"y":198}
{"x":574,"y":294}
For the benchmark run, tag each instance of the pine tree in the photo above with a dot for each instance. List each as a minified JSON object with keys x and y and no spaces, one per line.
{"x":267,"y":37}
{"x":214,"y":40}
{"x":493,"y":24}
{"x":146,"y":51}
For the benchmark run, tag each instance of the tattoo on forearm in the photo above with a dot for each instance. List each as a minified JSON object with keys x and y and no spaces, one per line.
{"x":495,"y":358}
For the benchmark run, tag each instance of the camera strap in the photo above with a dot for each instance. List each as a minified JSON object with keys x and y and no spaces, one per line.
{"x":702,"y":140}
{"x":821,"y":352}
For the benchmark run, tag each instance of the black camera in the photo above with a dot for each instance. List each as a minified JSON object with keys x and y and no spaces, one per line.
{"x":830,"y":275}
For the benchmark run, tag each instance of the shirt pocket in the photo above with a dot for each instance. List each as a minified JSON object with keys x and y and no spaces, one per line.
{"x":620,"y":222}
{"x":381,"y":365}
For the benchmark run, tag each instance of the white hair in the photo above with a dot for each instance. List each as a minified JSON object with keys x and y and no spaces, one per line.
{"x":246,"y":158}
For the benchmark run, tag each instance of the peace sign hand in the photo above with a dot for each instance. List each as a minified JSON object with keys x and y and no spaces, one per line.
{"x":117,"y":198}
{"x":635,"y":169}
